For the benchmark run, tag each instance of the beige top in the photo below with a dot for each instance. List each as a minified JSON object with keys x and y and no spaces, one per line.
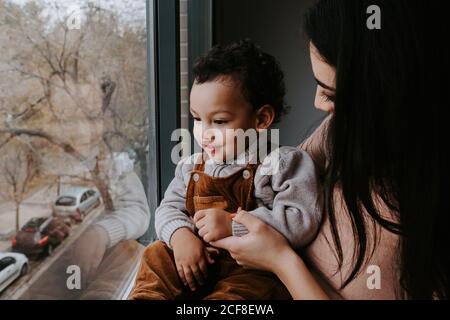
{"x":322,"y":255}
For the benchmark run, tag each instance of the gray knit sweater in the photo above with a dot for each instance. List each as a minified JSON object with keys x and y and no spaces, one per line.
{"x":131,"y":215}
{"x":287,"y":199}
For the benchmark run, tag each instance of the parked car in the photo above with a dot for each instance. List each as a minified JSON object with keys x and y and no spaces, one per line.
{"x":39,"y":236}
{"x":12,"y":266}
{"x":76,"y":203}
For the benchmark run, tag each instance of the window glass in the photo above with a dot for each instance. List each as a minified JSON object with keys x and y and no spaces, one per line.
{"x":73,"y":115}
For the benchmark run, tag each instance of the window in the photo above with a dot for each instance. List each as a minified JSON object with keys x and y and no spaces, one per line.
{"x":3,"y":264}
{"x":89,"y":97}
{"x":75,"y":91}
{"x":66,"y":201}
{"x":84,"y":197}
{"x":6,"y":262}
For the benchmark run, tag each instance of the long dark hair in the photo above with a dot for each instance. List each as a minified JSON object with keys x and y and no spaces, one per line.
{"x":387,"y":136}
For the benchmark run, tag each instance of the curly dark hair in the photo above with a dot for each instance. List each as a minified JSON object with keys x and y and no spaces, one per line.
{"x":259,"y":74}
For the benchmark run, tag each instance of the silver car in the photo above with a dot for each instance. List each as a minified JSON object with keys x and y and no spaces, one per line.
{"x":12,"y":266}
{"x":76,"y":203}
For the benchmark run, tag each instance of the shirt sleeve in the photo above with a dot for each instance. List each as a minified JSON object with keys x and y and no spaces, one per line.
{"x":171,"y":213}
{"x":288,"y":199}
{"x":131,"y":215}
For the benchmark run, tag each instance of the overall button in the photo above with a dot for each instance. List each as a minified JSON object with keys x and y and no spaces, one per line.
{"x":246,"y":174}
{"x":196,"y":177}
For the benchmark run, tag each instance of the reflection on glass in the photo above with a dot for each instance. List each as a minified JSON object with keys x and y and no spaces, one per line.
{"x":73,"y":146}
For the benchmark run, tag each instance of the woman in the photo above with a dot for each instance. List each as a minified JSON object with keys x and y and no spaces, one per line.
{"x":382,"y":155}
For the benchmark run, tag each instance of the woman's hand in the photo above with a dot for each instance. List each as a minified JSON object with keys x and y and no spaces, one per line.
{"x":88,"y":252}
{"x":262,"y":248}
{"x":266,"y":249}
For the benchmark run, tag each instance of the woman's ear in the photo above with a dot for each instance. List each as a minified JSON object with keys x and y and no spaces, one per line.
{"x":264,"y":117}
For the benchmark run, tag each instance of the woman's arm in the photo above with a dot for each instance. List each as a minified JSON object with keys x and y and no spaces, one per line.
{"x":297,"y":278}
{"x":264,"y":248}
{"x":131,"y":215}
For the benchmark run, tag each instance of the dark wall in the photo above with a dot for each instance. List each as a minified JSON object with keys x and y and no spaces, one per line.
{"x":277,"y":27}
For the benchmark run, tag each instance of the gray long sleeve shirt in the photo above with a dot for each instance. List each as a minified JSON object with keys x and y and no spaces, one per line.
{"x":131,"y":215}
{"x":287,"y":199}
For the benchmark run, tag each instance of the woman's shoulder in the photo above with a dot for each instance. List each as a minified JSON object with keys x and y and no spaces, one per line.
{"x":322,"y":255}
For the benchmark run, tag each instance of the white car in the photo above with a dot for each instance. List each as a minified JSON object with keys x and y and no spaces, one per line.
{"x":12,"y":266}
{"x":76,"y":202}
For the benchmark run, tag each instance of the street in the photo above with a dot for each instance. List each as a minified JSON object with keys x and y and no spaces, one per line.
{"x":37,"y":205}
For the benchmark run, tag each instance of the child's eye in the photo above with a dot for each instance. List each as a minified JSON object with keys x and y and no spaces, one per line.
{"x":220,"y":122}
{"x":197,"y":119}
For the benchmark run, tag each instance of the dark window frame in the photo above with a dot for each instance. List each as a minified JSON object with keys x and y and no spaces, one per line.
{"x":163,"y":74}
{"x":163,"y":54}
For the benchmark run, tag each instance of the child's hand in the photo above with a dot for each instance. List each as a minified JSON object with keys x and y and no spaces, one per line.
{"x":191,"y":258}
{"x":213,"y":224}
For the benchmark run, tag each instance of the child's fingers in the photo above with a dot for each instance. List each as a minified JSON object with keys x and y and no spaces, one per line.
{"x":200,"y":223}
{"x":181,"y":274}
{"x":202,"y":232}
{"x":190,"y":278}
{"x":198,"y":275}
{"x":199,"y":215}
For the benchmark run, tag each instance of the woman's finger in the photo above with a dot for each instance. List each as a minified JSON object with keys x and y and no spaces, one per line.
{"x":210,"y":253}
{"x":209,"y":257}
{"x":212,"y":250}
{"x":228,"y":243}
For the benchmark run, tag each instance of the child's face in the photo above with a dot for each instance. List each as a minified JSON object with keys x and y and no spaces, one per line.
{"x":217,"y":107}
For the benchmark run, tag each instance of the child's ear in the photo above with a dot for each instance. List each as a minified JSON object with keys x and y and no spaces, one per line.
{"x":264,"y":117}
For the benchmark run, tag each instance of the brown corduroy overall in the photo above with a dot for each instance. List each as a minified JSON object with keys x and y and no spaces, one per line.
{"x":158,"y":277}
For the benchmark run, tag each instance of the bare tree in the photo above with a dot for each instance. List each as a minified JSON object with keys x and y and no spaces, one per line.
{"x":69,"y":149}
{"x":56,"y":76}
{"x":19,"y":170}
